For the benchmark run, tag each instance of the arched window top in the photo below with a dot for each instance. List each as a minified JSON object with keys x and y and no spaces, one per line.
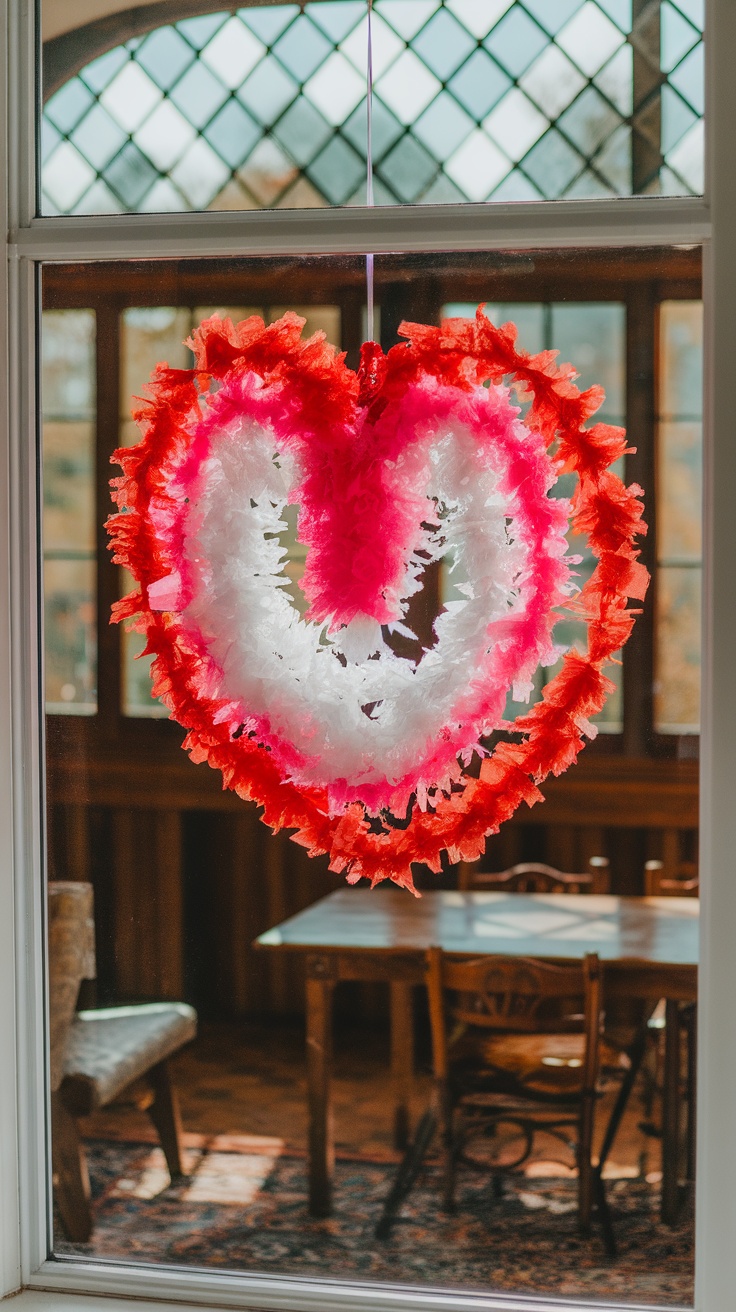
{"x":265,"y":106}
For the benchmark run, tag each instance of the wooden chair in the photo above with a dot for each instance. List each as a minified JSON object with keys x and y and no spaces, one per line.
{"x":662,"y":881}
{"x":516,"y":1041}
{"x":96,"y":1054}
{"x":535,"y":877}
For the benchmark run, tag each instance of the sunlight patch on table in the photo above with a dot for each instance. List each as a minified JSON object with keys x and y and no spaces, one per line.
{"x":543,"y":921}
{"x":596,"y":931}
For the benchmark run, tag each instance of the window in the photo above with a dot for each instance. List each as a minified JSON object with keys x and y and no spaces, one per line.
{"x":265,"y":106}
{"x":77,"y":239}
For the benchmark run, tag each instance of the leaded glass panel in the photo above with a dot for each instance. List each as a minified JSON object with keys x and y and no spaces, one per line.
{"x":264,"y":106}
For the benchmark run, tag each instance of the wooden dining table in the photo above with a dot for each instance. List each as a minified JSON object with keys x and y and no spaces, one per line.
{"x":648,"y":946}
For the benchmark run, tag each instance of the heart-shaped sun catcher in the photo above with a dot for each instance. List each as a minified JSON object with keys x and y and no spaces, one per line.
{"x":419,"y":455}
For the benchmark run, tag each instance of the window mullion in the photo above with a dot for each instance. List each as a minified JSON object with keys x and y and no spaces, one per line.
{"x":646,"y":136}
{"x":543,"y":225}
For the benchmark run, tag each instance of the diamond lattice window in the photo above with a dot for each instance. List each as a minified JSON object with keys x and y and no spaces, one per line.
{"x":474,"y":100}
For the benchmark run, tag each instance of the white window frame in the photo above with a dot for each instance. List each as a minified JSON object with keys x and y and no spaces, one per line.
{"x":24,"y":1157}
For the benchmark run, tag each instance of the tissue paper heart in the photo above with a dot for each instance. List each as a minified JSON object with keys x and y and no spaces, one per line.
{"x":418,"y":456}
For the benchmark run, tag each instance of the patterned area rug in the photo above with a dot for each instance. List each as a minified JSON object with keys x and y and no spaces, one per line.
{"x":243,"y":1206}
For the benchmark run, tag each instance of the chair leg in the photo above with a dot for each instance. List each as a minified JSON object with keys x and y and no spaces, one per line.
{"x":70,"y":1173}
{"x":691,"y":1016}
{"x":671,"y":1092}
{"x":164,"y":1112}
{"x":451,"y":1146}
{"x":585,"y":1166}
{"x":407,"y":1173}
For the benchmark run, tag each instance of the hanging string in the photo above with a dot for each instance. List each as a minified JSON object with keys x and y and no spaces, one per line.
{"x":369,"y":176}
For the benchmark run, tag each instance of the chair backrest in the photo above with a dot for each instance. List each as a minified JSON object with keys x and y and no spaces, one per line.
{"x":535,"y":877}
{"x":517,"y":995}
{"x":71,"y":959}
{"x":682,"y":881}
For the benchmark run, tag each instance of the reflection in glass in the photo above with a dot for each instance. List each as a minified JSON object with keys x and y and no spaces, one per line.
{"x":265,"y":106}
{"x":68,"y":521}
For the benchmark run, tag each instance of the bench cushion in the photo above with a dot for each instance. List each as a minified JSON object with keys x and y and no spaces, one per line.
{"x":110,"y":1047}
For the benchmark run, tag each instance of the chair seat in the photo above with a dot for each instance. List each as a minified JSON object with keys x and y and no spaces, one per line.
{"x":541,"y":1063}
{"x":111,"y":1047}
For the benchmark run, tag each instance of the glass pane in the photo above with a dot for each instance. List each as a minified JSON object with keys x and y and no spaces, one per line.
{"x":137,"y":699}
{"x":679,"y":516}
{"x":68,"y":491}
{"x":681,"y":360}
{"x":528,"y":317}
{"x":68,"y":365}
{"x":148,"y":337}
{"x":677,"y":686}
{"x":265,"y":106}
{"x":592,"y":337}
{"x":680,"y":492}
{"x":186,"y":876}
{"x":68,"y":522}
{"x":136,"y":692}
{"x":234,"y":312}
{"x":318,"y":318}
{"x":70,"y":635}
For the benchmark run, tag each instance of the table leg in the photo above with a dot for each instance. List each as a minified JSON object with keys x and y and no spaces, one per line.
{"x":402,"y":1058}
{"x":692,"y":1088}
{"x":319,"y":1071}
{"x":671,"y":1113}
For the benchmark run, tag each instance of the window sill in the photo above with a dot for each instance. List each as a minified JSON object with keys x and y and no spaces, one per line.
{"x":142,"y":1289}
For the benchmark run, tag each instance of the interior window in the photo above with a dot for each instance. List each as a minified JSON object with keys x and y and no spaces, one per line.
{"x":193,"y":896}
{"x":69,"y":527}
